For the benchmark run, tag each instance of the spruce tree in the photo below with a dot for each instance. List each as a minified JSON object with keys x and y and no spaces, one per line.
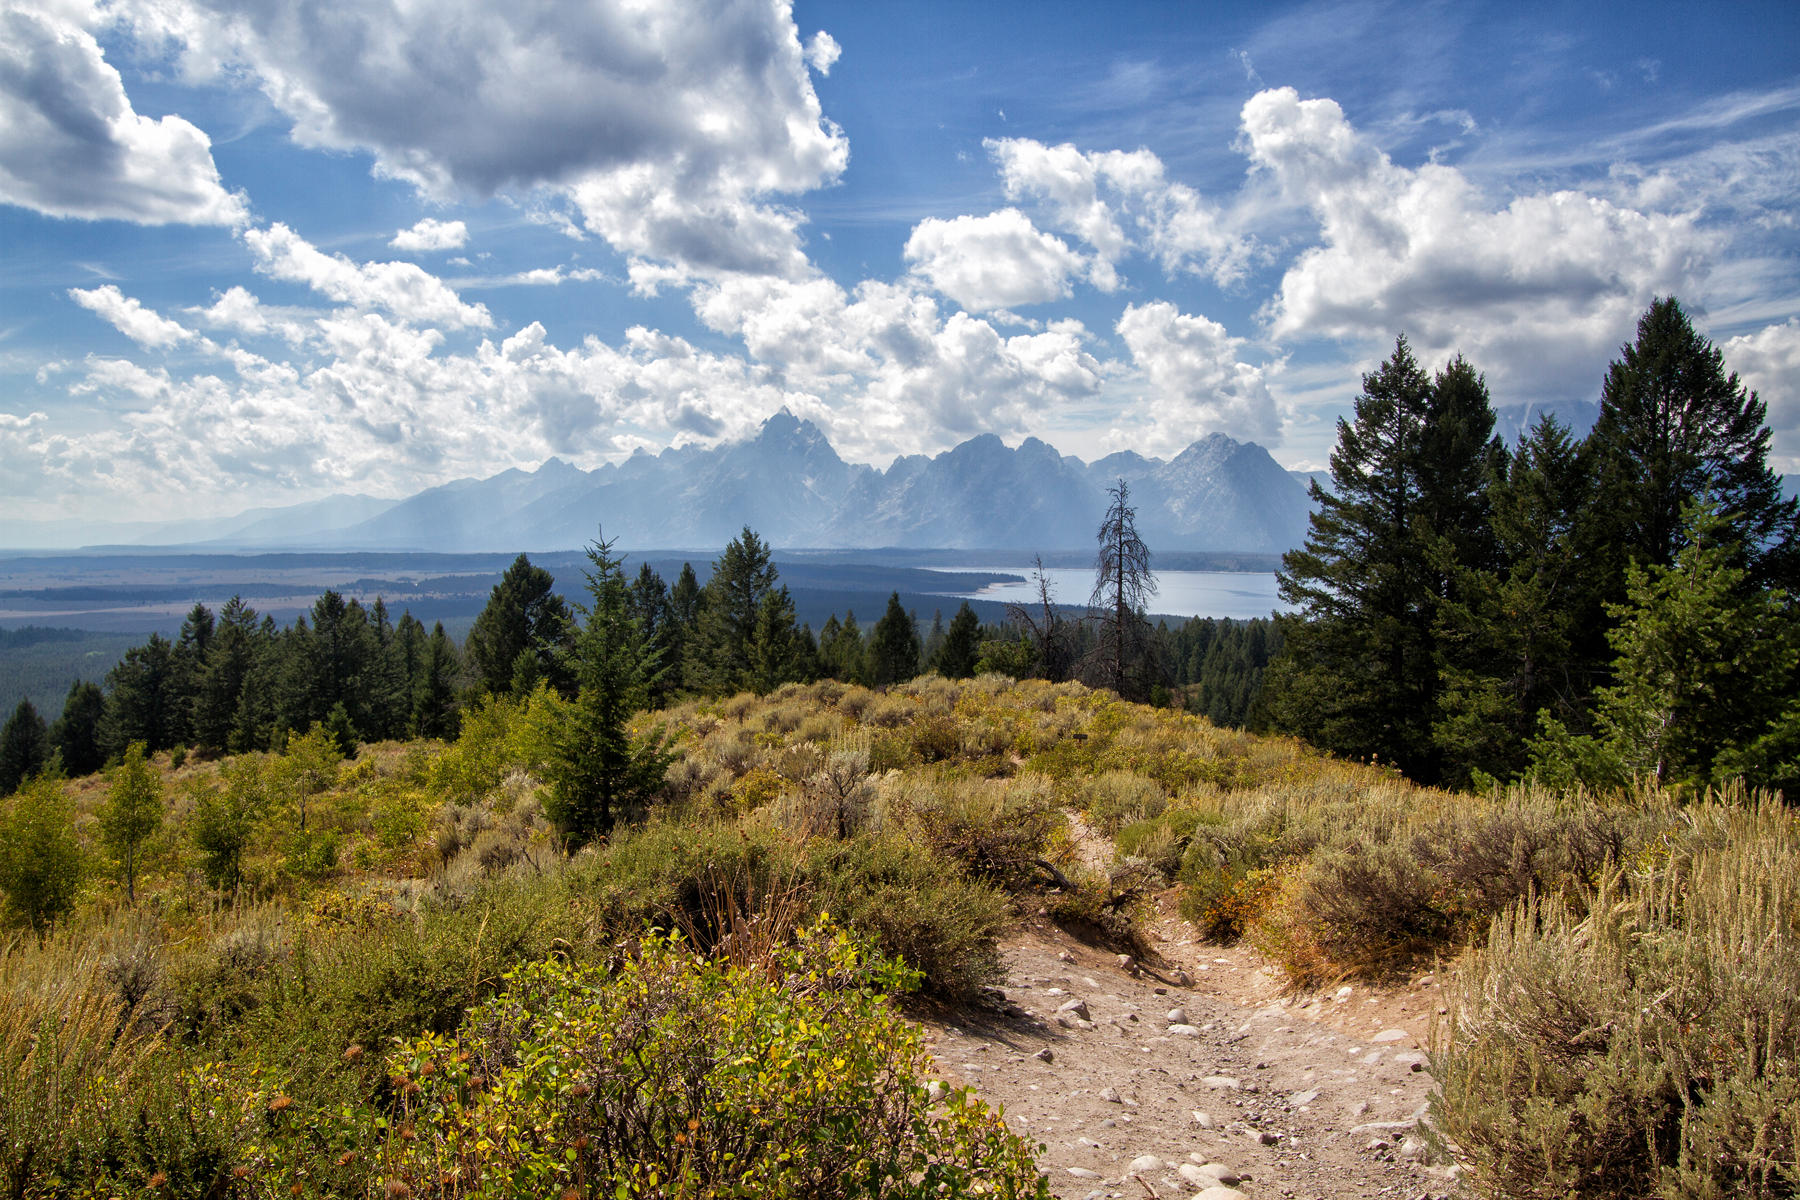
{"x":1360,"y":669}
{"x":893,"y":646}
{"x":141,"y":699}
{"x":721,"y":651}
{"x":1674,"y":429}
{"x":24,"y":746}
{"x":75,"y":736}
{"x":1510,"y":634}
{"x":523,"y":614}
{"x":224,"y":670}
{"x":600,"y":773}
{"x":435,"y":713}
{"x":962,"y":645}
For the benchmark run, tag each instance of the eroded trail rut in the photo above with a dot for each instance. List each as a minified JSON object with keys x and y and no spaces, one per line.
{"x":1271,"y":1098}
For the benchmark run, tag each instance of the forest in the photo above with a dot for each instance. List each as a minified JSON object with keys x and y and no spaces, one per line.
{"x":634,"y":893}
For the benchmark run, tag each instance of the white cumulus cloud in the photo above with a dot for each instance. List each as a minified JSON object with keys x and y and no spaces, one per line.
{"x":675,"y":129}
{"x":1768,"y":363}
{"x":430,"y":235}
{"x":1197,"y":381}
{"x":71,"y":145}
{"x":998,"y":261}
{"x":822,"y":50}
{"x":126,"y":314}
{"x":404,"y":289}
{"x":1538,"y":290}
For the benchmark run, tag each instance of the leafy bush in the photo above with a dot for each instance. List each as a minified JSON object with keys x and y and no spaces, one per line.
{"x":673,"y":1076}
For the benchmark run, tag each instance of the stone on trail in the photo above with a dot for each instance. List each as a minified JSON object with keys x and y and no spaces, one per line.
{"x":1082,"y":1173}
{"x":1183,"y":1031}
{"x":1221,"y":1081}
{"x":1075,"y":1008}
{"x":1301,"y":1099}
{"x":1045,"y":1055}
{"x":1203,"y":1120}
{"x":1391,"y":1035}
{"x":1110,"y":1095}
{"x":1178,"y":1016}
{"x":1143,"y":1164}
{"x":1208,"y":1174}
{"x":1219,"y":1192}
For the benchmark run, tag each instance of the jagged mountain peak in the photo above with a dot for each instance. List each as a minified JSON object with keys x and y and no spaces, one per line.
{"x":788,"y":483}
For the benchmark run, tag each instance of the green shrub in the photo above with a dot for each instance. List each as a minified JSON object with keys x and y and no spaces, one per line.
{"x":1117,"y":798}
{"x":915,"y":907}
{"x":673,"y":1076}
{"x":1648,"y":1047}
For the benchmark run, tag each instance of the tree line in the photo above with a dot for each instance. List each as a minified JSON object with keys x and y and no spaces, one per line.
{"x":1590,"y":609}
{"x":238,"y":682}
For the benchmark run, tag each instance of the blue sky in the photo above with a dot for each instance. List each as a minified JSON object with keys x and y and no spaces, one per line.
{"x":261,"y":251}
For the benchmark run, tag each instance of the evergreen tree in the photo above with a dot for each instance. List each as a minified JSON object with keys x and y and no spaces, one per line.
{"x":600,"y":773}
{"x":387,"y":703}
{"x":230,"y":654}
{"x":893,"y":646}
{"x":24,"y":747}
{"x":141,"y":699}
{"x":1675,"y":429}
{"x":1705,"y":680}
{"x":962,"y":645}
{"x":523,"y":614}
{"x":257,"y":723}
{"x":132,"y":812}
{"x":75,"y":736}
{"x":1511,"y":635}
{"x":188,"y":660}
{"x":40,"y":859}
{"x":934,"y":640}
{"x":742,"y":577}
{"x":435,"y":712}
{"x":1360,"y":670}
{"x":843,"y":655}
{"x":655,"y":614}
{"x":1125,"y":657}
{"x":779,"y":652}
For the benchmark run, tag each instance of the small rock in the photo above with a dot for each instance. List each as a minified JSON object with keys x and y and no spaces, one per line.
{"x":1391,"y":1035}
{"x":935,"y":1090}
{"x":1344,"y":992}
{"x":1068,"y":958}
{"x":1180,"y":979}
{"x":1219,"y":1192}
{"x":1045,"y":1055}
{"x":1127,"y":963}
{"x":1183,"y":1031}
{"x":1143,"y":1164}
{"x":1178,"y":1016}
{"x":1075,"y":1008}
{"x":1301,"y":1099}
{"x":1412,"y":1148}
{"x":1110,"y":1095}
{"x":1221,"y":1081}
{"x":1083,"y":1173}
{"x":1264,"y":1137}
{"x":1218,"y":1172}
{"x":1203,"y":1120}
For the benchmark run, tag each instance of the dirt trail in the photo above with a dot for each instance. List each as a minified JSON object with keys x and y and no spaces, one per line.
{"x":1305,"y":1097}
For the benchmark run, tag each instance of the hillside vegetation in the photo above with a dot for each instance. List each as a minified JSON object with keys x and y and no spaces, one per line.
{"x":383,"y":976}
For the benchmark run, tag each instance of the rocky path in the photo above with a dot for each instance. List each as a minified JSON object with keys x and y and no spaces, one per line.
{"x":1203,"y":1081}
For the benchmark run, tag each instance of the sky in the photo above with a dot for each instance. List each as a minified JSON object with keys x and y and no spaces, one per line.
{"x":259,"y":252}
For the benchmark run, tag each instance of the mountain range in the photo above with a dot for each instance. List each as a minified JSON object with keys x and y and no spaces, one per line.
{"x":789,"y":484}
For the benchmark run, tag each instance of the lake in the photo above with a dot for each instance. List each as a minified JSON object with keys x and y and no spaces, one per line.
{"x":1236,"y":594}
